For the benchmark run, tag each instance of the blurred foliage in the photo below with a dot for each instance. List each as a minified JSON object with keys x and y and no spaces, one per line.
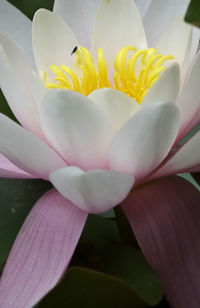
{"x":4,"y":107}
{"x":105,"y":272}
{"x":17,"y":198}
{"x":29,"y":7}
{"x":193,"y":13}
{"x":196,"y":176}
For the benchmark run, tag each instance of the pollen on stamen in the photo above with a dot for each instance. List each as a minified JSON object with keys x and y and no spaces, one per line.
{"x":135,"y":72}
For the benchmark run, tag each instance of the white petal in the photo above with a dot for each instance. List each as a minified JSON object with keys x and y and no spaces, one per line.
{"x":184,"y":160}
{"x":189,"y":99}
{"x":80,"y":16}
{"x":38,"y":89}
{"x":53,"y":41}
{"x":166,"y":88}
{"x":145,"y":140}
{"x":77,"y":128}
{"x":159,"y":16}
{"x":27,"y":151}
{"x":94,"y":191}
{"x":15,"y":75}
{"x":118,"y":24}
{"x":117,"y":106}
{"x":176,"y":41}
{"x":195,"y":44}
{"x":143,"y":6}
{"x":17,"y":26}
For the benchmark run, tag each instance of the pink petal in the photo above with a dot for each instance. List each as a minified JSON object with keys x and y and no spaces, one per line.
{"x":165,"y":217}
{"x":41,"y":252}
{"x":9,"y":170}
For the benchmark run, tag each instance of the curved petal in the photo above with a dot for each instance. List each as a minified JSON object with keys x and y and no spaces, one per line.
{"x":145,"y":140}
{"x":80,"y":16}
{"x":185,"y":159}
{"x":160,"y":15}
{"x":38,"y":89}
{"x":195,"y":44}
{"x":53,"y":41}
{"x":27,"y":151}
{"x":116,"y":105}
{"x":42,"y":251}
{"x":189,"y":100}
{"x":94,"y":191}
{"x":166,"y":88}
{"x":9,"y":170}
{"x":143,"y":6}
{"x":15,"y":79}
{"x":17,"y":26}
{"x":118,"y":24}
{"x":75,"y":126}
{"x":176,"y":41}
{"x":164,"y":216}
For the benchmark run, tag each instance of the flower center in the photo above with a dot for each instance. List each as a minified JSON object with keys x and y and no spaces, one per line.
{"x":135,"y":72}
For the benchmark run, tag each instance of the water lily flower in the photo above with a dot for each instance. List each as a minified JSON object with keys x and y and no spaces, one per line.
{"x":98,"y":117}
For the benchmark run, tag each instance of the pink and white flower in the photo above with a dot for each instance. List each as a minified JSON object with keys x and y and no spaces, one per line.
{"x":94,"y":148}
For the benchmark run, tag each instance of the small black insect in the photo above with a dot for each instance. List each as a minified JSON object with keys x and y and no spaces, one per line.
{"x":74,"y":50}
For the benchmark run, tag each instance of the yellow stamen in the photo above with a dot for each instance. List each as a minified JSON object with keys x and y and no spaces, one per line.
{"x":135,"y":72}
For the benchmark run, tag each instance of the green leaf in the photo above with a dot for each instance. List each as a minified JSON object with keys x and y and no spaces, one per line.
{"x":100,"y":249}
{"x":97,"y":234}
{"x":196,"y":176}
{"x":129,"y":264}
{"x":17,"y":198}
{"x":105,"y":272}
{"x":4,"y":107}
{"x":100,"y":231}
{"x":124,"y":227}
{"x":29,"y":7}
{"x":87,"y":288}
{"x":193,"y":13}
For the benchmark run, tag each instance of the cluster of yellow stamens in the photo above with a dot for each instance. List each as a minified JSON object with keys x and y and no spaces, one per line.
{"x":135,"y":72}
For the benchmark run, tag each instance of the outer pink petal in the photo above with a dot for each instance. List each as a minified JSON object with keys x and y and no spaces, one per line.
{"x":165,"y":218}
{"x":41,"y":252}
{"x":9,"y":170}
